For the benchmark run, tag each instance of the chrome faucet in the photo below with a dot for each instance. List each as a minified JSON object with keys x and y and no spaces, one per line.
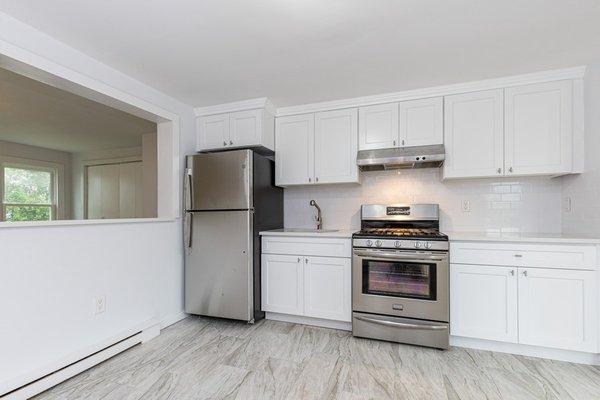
{"x":319,"y":217}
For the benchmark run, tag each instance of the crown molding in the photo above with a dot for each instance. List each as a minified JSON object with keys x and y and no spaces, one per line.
{"x":250,"y":104}
{"x":474,"y":86}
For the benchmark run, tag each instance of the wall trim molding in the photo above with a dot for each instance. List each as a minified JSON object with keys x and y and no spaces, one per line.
{"x":243,"y":105}
{"x":526,"y":350}
{"x":435,"y":91}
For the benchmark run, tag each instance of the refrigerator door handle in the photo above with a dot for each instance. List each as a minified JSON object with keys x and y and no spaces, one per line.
{"x":190,"y":189}
{"x":189,"y":219}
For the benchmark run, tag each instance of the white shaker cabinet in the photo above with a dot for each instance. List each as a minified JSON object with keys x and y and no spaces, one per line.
{"x":473,"y":134}
{"x":336,"y":146}
{"x":316,"y":148}
{"x":558,"y":308}
{"x":247,"y":128}
{"x":421,"y":122}
{"x":538,"y":128}
{"x":327,"y":288}
{"x":294,"y":150}
{"x":483,"y":302}
{"x":282,"y":283}
{"x":378,"y":126}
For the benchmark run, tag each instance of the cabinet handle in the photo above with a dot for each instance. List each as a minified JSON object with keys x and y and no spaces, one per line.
{"x":499,"y":170}
{"x":394,"y":143}
{"x":510,"y":169}
{"x":224,"y":143}
{"x":309,"y":180}
{"x":317,"y":179}
{"x":518,"y":255}
{"x":305,"y":260}
{"x":525,"y":273}
{"x":402,"y":142}
{"x":298,"y":259}
{"x":512,"y":272}
{"x":230,"y":142}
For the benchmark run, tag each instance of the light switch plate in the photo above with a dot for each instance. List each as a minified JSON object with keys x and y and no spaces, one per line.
{"x":466,"y":206}
{"x":567,"y":204}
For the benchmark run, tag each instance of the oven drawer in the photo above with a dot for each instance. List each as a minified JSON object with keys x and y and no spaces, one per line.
{"x":307,"y":246}
{"x":524,"y":255}
{"x":401,"y":330}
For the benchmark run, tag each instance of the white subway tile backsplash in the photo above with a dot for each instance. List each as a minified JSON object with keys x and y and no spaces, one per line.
{"x":527,"y":204}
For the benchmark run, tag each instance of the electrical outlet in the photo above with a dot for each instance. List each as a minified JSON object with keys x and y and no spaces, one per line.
{"x":567,"y":204}
{"x":466,"y":206}
{"x":99,"y":304}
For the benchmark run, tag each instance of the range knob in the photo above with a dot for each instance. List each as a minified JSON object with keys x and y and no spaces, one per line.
{"x":369,"y":243}
{"x":417,"y":245}
{"x":378,"y":243}
{"x":427,"y":245}
{"x":397,"y":244}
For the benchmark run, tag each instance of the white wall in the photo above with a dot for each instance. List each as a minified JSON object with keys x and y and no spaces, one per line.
{"x":584,"y":189}
{"x":60,"y":158}
{"x":515,"y":204}
{"x":48,"y":288}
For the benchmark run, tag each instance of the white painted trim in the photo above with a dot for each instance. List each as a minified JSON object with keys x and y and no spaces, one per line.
{"x":251,"y":104}
{"x":298,"y":319}
{"x":578,"y":126}
{"x":74,"y":222}
{"x":172,"y":319}
{"x":526,"y":350}
{"x":76,"y":357}
{"x":435,"y":91}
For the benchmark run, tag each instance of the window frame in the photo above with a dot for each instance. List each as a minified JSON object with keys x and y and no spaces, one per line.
{"x":56,"y":175}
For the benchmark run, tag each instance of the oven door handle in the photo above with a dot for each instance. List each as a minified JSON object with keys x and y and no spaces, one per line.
{"x":402,"y":324}
{"x":397,"y":256}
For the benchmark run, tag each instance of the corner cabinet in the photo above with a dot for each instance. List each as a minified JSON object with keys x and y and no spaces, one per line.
{"x":316,"y":148}
{"x":539,"y":295}
{"x":405,"y":124}
{"x":307,"y":277}
{"x":517,"y":131}
{"x":248,"y":128}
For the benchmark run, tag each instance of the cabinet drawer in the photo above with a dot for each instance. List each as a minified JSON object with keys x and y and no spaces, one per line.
{"x":526,"y":255}
{"x":307,"y":246}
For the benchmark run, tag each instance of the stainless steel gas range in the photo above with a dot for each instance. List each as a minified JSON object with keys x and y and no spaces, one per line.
{"x":400,"y":274}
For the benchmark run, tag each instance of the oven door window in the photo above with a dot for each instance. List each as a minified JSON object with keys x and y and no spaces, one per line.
{"x":413,"y":280}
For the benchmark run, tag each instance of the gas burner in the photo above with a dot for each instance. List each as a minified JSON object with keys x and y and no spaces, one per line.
{"x":403,"y":233}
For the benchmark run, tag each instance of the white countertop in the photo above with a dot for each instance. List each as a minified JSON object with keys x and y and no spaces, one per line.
{"x":522,"y":237}
{"x":342,"y":233}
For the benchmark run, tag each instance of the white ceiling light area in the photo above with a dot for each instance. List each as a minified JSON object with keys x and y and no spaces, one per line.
{"x":302,"y":51}
{"x":37,"y":114}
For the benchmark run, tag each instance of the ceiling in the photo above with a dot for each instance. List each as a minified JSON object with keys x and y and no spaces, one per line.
{"x":300,"y":51}
{"x":37,"y":114}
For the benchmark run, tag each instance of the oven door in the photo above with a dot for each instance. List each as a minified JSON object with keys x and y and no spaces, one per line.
{"x":411,"y":284}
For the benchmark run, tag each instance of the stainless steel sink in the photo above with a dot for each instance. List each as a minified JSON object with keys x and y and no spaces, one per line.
{"x":309,"y":230}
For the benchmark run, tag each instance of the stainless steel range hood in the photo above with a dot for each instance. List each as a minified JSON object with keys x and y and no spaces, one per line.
{"x":401,"y":158}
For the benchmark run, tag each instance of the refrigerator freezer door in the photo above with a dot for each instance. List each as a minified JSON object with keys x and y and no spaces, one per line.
{"x":219,"y":181}
{"x":218,"y":268}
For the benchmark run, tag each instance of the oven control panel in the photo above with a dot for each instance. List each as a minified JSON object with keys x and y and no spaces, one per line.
{"x":401,"y":244}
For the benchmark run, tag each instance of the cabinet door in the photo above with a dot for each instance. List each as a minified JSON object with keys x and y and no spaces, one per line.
{"x":245,"y":128}
{"x":483,"y":302}
{"x":473,"y":134}
{"x":378,"y":126}
{"x":336,"y":145}
{"x":294,"y":149}
{"x":558,"y":308}
{"x":539,"y":133}
{"x":281,"y":283}
{"x":327,"y":288}
{"x":213,"y":132}
{"x":421,"y":122}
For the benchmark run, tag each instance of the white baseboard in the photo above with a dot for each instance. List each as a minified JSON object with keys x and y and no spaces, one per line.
{"x":297,"y":319}
{"x":527,"y":350}
{"x":44,"y":378}
{"x":172,"y":319}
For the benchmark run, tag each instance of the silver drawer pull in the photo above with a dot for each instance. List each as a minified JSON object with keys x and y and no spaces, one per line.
{"x":402,"y":324}
{"x":518,"y":255}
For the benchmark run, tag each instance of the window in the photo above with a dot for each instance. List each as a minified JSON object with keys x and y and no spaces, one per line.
{"x":27,"y":193}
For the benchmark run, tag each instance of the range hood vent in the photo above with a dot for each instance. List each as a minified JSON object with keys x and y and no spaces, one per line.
{"x":401,"y":158}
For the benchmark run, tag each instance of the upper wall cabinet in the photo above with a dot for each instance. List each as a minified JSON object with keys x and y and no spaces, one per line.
{"x":404,"y":124}
{"x":539,"y":130}
{"x":316,"y":148}
{"x":473,"y":134}
{"x":236,"y":129}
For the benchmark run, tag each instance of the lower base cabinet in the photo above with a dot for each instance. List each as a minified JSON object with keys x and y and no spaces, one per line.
{"x":317,"y":287}
{"x":547,"y":307}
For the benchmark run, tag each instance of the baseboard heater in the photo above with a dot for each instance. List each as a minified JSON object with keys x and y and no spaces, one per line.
{"x":45,"y":382}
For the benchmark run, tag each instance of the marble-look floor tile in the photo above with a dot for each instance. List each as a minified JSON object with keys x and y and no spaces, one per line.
{"x":207,"y":358}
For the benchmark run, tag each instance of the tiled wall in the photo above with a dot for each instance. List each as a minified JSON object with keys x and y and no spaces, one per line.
{"x":584,"y":189}
{"x":526,"y":205}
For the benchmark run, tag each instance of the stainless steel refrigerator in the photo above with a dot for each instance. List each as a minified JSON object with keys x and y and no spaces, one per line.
{"x":229,"y":197}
